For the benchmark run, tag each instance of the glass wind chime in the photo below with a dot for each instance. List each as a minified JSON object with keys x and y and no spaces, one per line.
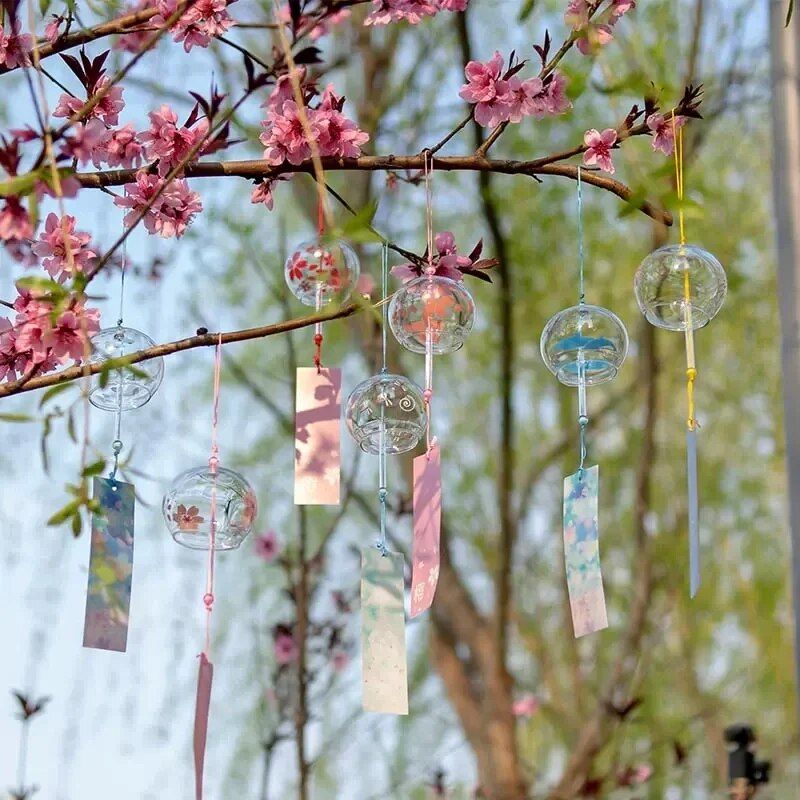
{"x":319,"y":272}
{"x":583,"y":345}
{"x":681,"y":288}
{"x":209,"y":508}
{"x":108,"y":594}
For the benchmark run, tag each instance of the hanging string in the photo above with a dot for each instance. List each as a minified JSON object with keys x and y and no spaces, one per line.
{"x":430,"y":270}
{"x":318,"y":332}
{"x":116,"y":445}
{"x":213,"y":464}
{"x":382,"y":479}
{"x":583,"y":416}
{"x":691,"y":366}
{"x":581,"y":293}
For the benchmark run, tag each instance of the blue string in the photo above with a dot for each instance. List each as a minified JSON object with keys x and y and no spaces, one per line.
{"x":382,"y":492}
{"x":581,"y":293}
{"x":583,"y":417}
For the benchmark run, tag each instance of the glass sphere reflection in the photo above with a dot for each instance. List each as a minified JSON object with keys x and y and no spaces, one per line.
{"x":668,"y":275}
{"x":187,"y":508}
{"x":584,"y":339}
{"x":124,"y":389}
{"x":388,"y":409}
{"x":322,"y":270}
{"x":434,"y":304}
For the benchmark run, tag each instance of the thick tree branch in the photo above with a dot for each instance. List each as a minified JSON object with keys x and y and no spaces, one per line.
{"x":259,"y":169}
{"x":26,"y":384}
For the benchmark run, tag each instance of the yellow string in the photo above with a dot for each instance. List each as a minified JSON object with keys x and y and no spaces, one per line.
{"x":691,"y":368}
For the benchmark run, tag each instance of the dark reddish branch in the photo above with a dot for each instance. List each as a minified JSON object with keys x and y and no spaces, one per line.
{"x":259,"y":169}
{"x":118,"y":25}
{"x":201,"y":340}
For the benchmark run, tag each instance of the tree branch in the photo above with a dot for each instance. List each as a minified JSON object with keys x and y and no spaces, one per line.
{"x":26,"y":384}
{"x":259,"y":169}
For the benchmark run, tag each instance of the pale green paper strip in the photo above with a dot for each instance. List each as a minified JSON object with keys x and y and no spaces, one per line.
{"x":384,"y":677}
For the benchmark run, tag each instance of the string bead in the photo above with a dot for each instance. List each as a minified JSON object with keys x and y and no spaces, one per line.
{"x":208,"y":600}
{"x":427,"y":394}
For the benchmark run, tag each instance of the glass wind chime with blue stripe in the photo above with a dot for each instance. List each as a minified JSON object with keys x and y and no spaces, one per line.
{"x":583,"y":345}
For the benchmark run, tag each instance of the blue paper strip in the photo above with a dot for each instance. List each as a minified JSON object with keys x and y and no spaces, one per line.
{"x":694,"y":523}
{"x":582,"y":552}
{"x":108,"y":596}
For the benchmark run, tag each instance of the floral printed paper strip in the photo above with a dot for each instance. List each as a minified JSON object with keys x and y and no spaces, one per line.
{"x":317,"y":431}
{"x":384,"y":678}
{"x":108,"y":596}
{"x":205,"y":674}
{"x":582,"y":552}
{"x":694,"y":522}
{"x":427,"y":528}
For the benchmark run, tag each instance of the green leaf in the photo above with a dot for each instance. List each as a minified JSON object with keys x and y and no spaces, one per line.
{"x":358,"y":228}
{"x":63,"y":514}
{"x":44,"y":5}
{"x":526,"y":10}
{"x":94,"y":469}
{"x":17,"y":418}
{"x":53,"y":391}
{"x":33,"y":283}
{"x":20,"y":185}
{"x":77,"y":524}
{"x":789,"y":13}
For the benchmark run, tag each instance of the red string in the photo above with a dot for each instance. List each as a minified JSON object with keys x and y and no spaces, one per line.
{"x":320,"y":214}
{"x":213,"y":465}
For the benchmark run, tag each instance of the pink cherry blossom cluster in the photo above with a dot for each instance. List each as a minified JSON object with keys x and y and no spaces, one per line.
{"x":503,"y":97}
{"x":330,"y":131}
{"x":598,"y":30}
{"x":63,"y":250}
{"x":15,"y":47}
{"x":107,"y":109}
{"x":36,"y":340}
{"x":171,"y":212}
{"x":199,"y":24}
{"x":168,"y":142}
{"x":446,"y":261}
{"x":414,"y":11}
{"x":134,"y":41}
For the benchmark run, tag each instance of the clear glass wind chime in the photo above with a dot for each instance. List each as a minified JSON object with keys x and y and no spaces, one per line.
{"x":320,"y":271}
{"x":681,"y":288}
{"x":117,"y":390}
{"x":433,"y":315}
{"x":209,"y":508}
{"x":385,"y":415}
{"x":583,"y":345}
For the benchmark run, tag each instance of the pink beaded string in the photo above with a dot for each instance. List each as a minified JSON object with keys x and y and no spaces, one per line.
{"x":430,"y":270}
{"x":213,"y":464}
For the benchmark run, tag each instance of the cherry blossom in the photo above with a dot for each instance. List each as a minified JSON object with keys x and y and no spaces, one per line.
{"x":262,"y":192}
{"x":266,"y":546}
{"x":596,"y":32}
{"x":338,"y":136}
{"x":108,"y":107}
{"x":599,"y":146}
{"x":556,"y":99}
{"x":15,"y":223}
{"x":664,"y":132}
{"x":133,"y":42}
{"x":53,"y":28}
{"x":318,"y":27}
{"x":83,"y":140}
{"x":286,"y":139}
{"x":167,"y":142}
{"x":385,"y":11}
{"x":10,"y":362}
{"x":446,"y":261}
{"x":171,"y":213}
{"x":485,"y":87}
{"x":58,"y":242}
{"x":15,"y":47}
{"x":68,"y":338}
{"x":118,"y":147}
{"x":199,"y":24}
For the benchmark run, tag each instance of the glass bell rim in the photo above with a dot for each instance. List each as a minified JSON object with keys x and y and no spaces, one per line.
{"x":700,"y":318}
{"x":195,"y":541}
{"x":365,"y":437}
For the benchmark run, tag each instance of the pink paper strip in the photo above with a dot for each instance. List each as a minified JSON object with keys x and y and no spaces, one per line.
{"x":204,"y":676}
{"x":427,"y":528}
{"x":317,"y":429}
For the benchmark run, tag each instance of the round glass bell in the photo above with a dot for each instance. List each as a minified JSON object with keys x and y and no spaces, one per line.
{"x":670,"y":275}
{"x":124,"y":389}
{"x":434,"y":306}
{"x":584,"y":339}
{"x":322,"y":270}
{"x":386,"y":410}
{"x":187,"y":508}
